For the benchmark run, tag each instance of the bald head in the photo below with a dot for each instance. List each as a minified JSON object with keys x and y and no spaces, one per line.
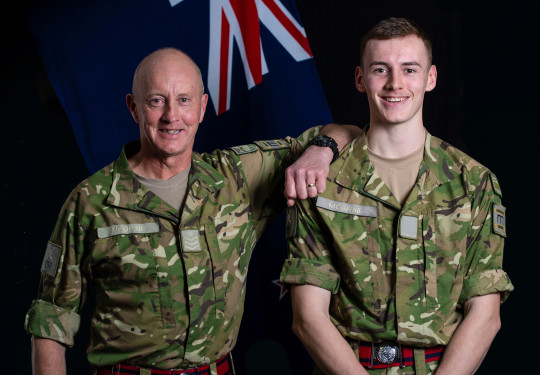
{"x":160,"y":60}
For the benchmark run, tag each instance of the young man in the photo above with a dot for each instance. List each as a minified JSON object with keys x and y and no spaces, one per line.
{"x":164,"y":235}
{"x":397,"y":267}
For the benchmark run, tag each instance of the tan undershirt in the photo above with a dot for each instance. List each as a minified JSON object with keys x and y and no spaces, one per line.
{"x":398,"y":174}
{"x":172,"y":191}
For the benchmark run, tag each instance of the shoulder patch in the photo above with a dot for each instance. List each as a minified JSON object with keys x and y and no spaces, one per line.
{"x":49,"y":266}
{"x":273,"y":144}
{"x":499,"y":219}
{"x":244,"y":149}
{"x":496,"y":186}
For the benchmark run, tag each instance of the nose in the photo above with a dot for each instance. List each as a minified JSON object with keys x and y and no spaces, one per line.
{"x":171,"y":113}
{"x":394,"y":80}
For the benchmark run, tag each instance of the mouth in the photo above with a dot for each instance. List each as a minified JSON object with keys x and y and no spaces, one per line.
{"x":393,"y":99}
{"x":169,"y":131}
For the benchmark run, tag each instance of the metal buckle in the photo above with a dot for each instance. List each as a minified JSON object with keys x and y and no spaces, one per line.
{"x":387,"y":352}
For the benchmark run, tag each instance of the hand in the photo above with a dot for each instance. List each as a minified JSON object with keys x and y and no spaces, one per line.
{"x":306,"y":177}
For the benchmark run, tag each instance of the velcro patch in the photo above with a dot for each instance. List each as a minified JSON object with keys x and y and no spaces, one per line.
{"x":244,"y":149}
{"x":49,"y":266}
{"x":347,"y":208}
{"x":273,"y":144}
{"x":190,"y":240}
{"x":499,"y":219}
{"x":408,"y":227}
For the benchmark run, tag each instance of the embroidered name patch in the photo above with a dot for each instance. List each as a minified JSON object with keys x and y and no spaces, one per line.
{"x":499,"y":219}
{"x":408,"y":227}
{"x":190,"y":240}
{"x":49,"y":266}
{"x":347,"y":208}
{"x":115,"y":230}
{"x":274,"y":144}
{"x":244,"y":149}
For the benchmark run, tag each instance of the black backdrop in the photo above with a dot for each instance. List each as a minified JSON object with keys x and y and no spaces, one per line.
{"x":484,"y":103}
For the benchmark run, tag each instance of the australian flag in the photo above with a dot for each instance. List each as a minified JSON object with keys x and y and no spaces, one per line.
{"x":259,"y":72}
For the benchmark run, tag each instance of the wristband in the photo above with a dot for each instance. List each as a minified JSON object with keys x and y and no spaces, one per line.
{"x":325,"y":141}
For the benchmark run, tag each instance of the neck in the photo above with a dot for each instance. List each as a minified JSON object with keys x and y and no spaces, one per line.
{"x":159,"y":168}
{"x":395,"y":140}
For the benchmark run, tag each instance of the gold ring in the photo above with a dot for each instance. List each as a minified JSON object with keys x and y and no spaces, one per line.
{"x":310,"y":185}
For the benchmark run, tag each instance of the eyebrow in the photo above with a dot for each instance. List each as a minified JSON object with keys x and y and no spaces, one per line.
{"x":408,"y":63}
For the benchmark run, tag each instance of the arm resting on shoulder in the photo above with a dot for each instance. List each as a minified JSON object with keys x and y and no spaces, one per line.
{"x":48,"y":357}
{"x":472,"y":339}
{"x":312,"y":325}
{"x":313,"y":165}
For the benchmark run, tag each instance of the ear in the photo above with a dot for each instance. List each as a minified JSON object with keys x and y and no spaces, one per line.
{"x":204,"y":101}
{"x":432,"y":78}
{"x":359,"y":79}
{"x":132,"y":106}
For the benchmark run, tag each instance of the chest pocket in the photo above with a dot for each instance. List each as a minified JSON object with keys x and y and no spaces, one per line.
{"x":444,"y":238}
{"x":356,"y":249}
{"x":129,"y":263}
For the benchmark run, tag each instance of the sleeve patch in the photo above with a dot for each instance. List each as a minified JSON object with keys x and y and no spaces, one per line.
{"x":291,"y":225}
{"x":244,"y":149}
{"x":499,"y":219}
{"x":274,"y":144}
{"x":49,"y":266}
{"x":496,"y":186}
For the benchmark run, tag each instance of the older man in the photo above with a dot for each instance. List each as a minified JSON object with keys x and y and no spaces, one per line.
{"x":164,"y":235}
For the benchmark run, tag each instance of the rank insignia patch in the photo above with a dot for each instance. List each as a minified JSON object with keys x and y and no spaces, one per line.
{"x":244,"y":149}
{"x":274,"y":144}
{"x":49,"y":266}
{"x":499,"y":219}
{"x":190,"y":240}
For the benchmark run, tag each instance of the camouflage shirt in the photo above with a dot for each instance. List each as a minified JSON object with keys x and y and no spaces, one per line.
{"x":169,"y":286}
{"x":400,"y":272}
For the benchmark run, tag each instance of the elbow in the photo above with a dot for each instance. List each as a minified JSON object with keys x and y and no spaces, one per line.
{"x":299,"y":328}
{"x":496,"y":324}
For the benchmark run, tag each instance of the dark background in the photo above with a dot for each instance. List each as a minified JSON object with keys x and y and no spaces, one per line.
{"x":484,"y":103}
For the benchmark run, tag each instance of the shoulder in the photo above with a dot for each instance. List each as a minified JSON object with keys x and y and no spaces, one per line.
{"x":474,"y":173}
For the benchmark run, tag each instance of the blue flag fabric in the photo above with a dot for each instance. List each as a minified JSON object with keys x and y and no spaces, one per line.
{"x":262,"y":82}
{"x":253,"y":55}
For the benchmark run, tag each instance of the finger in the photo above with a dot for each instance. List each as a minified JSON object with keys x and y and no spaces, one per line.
{"x":301,"y":188}
{"x":321,"y":185}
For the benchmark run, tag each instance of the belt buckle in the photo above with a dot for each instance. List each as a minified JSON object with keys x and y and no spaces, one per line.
{"x":387,"y":352}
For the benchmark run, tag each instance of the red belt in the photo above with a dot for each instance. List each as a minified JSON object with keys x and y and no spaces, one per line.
{"x":224,"y":367}
{"x":391,"y":354}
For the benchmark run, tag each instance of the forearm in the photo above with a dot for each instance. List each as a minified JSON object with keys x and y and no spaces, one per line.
{"x":327,"y":347}
{"x":48,"y":357}
{"x":472,"y":339}
{"x":341,"y":133}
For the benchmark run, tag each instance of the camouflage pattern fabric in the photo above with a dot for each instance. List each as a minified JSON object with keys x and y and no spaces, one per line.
{"x":169,"y":286}
{"x":400,"y":272}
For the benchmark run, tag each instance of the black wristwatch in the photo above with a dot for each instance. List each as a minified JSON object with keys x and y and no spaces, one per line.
{"x":325,"y":141}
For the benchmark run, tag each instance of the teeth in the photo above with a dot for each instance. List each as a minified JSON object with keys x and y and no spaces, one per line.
{"x":170,"y":131}
{"x":395,"y":99}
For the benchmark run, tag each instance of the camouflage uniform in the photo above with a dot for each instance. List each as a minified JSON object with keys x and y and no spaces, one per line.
{"x":400,"y":273}
{"x":169,"y":286}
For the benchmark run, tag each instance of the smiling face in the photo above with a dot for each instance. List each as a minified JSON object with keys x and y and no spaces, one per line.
{"x":395,"y":74}
{"x":168,"y":104}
